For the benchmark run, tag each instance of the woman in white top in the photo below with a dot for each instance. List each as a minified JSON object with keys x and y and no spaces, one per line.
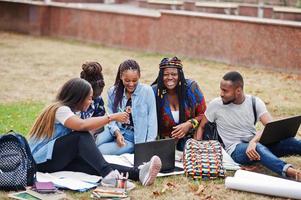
{"x":60,"y":140}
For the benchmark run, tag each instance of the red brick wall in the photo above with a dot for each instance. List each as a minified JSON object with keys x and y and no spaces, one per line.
{"x":287,"y":16}
{"x":225,"y":39}
{"x":79,"y":1}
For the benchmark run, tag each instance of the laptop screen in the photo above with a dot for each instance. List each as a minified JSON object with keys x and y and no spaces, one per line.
{"x":165,"y":149}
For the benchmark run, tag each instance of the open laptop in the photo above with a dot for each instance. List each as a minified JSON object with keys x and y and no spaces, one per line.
{"x":280,"y":129}
{"x":165,"y":149}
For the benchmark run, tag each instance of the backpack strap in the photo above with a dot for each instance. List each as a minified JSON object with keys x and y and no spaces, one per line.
{"x":254,"y":109}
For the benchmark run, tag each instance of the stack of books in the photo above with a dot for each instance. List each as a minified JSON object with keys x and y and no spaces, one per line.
{"x":109,"y":193}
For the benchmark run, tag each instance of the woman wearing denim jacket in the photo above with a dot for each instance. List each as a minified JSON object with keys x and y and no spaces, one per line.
{"x":138,"y":100}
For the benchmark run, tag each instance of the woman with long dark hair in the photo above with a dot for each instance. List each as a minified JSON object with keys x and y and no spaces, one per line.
{"x":137,"y":99}
{"x":60,"y":140}
{"x":180,"y":102}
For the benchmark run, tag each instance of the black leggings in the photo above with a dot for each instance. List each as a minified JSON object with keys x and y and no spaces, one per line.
{"x":77,"y":152}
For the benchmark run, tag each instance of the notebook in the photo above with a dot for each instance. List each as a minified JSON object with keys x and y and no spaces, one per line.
{"x":164,"y":148}
{"x":281,"y":129}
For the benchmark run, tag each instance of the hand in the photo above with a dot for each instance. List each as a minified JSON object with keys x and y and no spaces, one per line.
{"x":120,"y":139}
{"x":122,"y":117}
{"x":251,"y":151}
{"x":198,"y":134}
{"x":181,"y":130}
{"x":128,"y":109}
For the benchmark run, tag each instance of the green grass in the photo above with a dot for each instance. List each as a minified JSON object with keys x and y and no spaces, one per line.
{"x":18,"y":116}
{"x":33,"y":68}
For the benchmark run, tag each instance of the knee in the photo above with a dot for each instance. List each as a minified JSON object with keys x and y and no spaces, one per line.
{"x":84,"y":135}
{"x":261,"y":148}
{"x":104,"y":150}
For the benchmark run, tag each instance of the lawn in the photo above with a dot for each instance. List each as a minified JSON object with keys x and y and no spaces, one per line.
{"x":33,"y":68}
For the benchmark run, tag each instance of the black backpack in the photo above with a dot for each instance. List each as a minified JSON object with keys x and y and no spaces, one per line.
{"x":17,"y":166}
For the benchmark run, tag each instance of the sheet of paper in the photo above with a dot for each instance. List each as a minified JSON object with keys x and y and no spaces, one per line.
{"x":264,"y":184}
{"x":70,"y":183}
{"x":78,"y":176}
{"x":228,"y":162}
{"x":73,"y":184}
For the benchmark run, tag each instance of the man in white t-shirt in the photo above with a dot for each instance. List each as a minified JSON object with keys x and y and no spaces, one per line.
{"x":234,"y":117}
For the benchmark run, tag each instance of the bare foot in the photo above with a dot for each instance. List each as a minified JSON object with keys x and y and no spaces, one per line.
{"x":294,"y":174}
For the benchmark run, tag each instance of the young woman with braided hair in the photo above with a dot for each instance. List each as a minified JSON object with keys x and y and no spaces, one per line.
{"x":180,"y":102}
{"x":138,"y":99}
{"x":92,"y":72}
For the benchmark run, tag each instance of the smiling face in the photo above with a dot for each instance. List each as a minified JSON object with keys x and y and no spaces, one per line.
{"x":170,"y":78}
{"x":130,"y":80}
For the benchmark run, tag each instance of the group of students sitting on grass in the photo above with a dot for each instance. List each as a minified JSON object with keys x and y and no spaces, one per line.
{"x":75,"y":131}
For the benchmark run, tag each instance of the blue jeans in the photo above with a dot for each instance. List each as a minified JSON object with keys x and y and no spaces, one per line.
{"x":269,"y":154}
{"x":107,"y":145}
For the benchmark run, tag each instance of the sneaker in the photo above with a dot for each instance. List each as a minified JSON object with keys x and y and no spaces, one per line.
{"x":116,"y":180}
{"x":148,"y":172}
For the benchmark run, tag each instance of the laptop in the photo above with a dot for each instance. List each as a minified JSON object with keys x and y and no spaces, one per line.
{"x":281,"y":129}
{"x":164,"y":148}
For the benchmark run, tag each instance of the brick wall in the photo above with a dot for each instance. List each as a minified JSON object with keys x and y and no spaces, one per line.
{"x":229,"y":39}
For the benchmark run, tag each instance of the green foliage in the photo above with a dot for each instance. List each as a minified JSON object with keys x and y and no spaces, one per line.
{"x":18,"y":116}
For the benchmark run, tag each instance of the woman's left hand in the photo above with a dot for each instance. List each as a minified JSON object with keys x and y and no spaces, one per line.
{"x":181,"y":130}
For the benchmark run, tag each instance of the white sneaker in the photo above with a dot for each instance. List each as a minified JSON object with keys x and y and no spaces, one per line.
{"x":148,"y":172}
{"x":114,"y":179}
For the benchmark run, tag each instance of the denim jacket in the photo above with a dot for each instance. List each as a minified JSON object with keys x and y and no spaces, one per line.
{"x":42,"y":149}
{"x":143,"y":112}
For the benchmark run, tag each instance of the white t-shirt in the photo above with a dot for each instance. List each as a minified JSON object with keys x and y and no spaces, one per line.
{"x":176,"y":116}
{"x":235,"y":122}
{"x":62,"y":114}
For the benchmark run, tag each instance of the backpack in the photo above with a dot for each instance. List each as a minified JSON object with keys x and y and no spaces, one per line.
{"x":203,"y":159}
{"x":17,"y":166}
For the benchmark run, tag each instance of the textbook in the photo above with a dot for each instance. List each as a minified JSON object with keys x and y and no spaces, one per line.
{"x":33,"y":195}
{"x":109,"y":193}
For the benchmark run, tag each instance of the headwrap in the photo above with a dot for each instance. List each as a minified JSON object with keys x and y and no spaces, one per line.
{"x":172,"y":62}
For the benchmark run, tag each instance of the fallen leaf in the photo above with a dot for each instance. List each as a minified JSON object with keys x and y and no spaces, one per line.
{"x":193,"y":187}
{"x":164,"y":189}
{"x":200,"y":190}
{"x":171,"y":185}
{"x":209,"y":197}
{"x":156,"y":194}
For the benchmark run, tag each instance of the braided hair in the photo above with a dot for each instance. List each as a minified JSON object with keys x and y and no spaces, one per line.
{"x":119,"y":87}
{"x":181,"y":88}
{"x":92,"y":72}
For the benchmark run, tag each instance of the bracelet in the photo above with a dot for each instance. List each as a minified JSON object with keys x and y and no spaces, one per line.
{"x":109,"y":118}
{"x":194,"y":123}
